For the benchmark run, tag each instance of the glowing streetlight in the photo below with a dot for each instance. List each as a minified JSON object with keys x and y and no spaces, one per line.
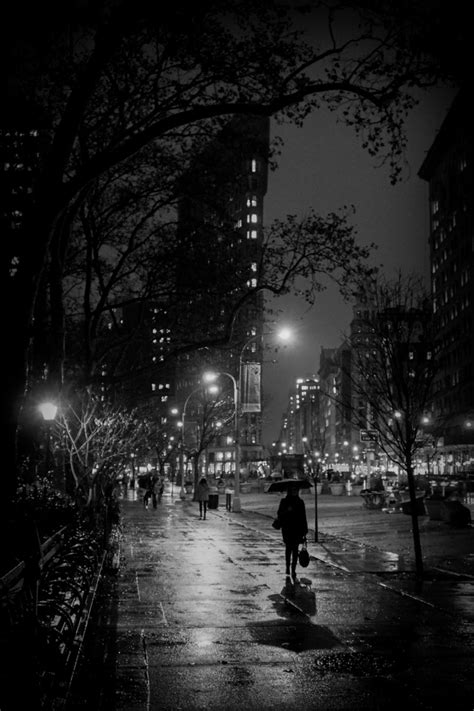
{"x":49,"y":411}
{"x":211,"y":377}
{"x":284,"y":334}
{"x":210,"y":389}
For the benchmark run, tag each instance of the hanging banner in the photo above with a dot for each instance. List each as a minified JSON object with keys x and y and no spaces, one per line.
{"x":251,"y":387}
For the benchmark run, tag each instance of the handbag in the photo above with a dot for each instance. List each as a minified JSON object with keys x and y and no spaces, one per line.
{"x":303,"y":555}
{"x":276,"y":524}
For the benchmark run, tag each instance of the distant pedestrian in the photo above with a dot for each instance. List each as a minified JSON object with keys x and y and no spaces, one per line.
{"x":202,"y":496}
{"x":161,"y":488}
{"x":154,"y":496}
{"x":294,"y":527}
{"x":147,"y":496}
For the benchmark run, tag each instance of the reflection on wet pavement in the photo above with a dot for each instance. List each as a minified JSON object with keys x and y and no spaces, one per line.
{"x":299,"y":637}
{"x":202,"y":617}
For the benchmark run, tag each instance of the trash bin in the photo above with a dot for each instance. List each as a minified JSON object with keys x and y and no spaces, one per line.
{"x":419,"y":507}
{"x":456,"y":514}
{"x":213,"y":501}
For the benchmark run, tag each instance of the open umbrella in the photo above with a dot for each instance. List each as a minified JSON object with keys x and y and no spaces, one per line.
{"x":286,"y":484}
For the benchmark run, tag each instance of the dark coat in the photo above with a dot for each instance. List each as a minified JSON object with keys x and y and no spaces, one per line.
{"x":202,"y":492}
{"x":292,"y":516}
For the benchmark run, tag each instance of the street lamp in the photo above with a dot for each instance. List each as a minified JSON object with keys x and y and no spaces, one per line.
{"x":210,"y":377}
{"x":49,"y":411}
{"x":284,"y":334}
{"x":211,"y":389}
{"x":317,"y":455}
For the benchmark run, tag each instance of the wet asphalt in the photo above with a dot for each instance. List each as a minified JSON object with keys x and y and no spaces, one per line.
{"x":200,"y":615}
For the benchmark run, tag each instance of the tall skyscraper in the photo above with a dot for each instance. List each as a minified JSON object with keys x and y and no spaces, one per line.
{"x":221,"y":234}
{"x":448,"y":168}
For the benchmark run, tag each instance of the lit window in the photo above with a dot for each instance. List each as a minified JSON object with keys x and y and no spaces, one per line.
{"x":254,"y":165}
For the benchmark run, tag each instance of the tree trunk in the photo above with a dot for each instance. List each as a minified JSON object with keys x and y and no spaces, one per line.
{"x":414,"y":521}
{"x":196,"y":475}
{"x":20,"y":291}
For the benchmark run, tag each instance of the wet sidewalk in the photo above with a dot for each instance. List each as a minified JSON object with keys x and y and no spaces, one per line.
{"x":201,"y":616}
{"x":370,"y":541}
{"x":345,"y":520}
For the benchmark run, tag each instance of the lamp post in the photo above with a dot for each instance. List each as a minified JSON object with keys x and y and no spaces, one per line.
{"x":317,"y":456}
{"x":48,"y":411}
{"x":182,"y":493}
{"x":210,"y":377}
{"x":284,"y":334}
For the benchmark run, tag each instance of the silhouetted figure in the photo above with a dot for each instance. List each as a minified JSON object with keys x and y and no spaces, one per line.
{"x":294,"y":527}
{"x":202,"y":496}
{"x":148,"y":495}
{"x":161,"y":488}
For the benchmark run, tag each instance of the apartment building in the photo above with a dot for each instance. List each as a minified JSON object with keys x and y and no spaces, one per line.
{"x":448,"y":170}
{"x":221,"y":231}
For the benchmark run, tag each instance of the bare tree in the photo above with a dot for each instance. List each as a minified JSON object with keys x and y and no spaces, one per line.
{"x":210,"y":418}
{"x":392,"y":371}
{"x":96,"y":439}
{"x":115,"y":79}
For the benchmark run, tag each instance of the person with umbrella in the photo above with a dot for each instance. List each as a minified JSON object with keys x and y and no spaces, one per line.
{"x":294,"y":525}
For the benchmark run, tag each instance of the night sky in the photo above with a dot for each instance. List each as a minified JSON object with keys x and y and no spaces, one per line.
{"x":323,"y":166}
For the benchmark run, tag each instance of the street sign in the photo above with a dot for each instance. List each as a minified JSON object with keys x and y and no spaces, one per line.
{"x":369,"y":436}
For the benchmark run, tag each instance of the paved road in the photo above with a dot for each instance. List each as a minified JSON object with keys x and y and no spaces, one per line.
{"x":200,"y":617}
{"x":346,"y":517}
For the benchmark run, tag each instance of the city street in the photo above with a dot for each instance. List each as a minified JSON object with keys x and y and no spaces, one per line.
{"x":200,"y":616}
{"x":238,"y":248}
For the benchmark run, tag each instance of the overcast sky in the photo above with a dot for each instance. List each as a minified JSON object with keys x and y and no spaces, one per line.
{"x":323,"y":167}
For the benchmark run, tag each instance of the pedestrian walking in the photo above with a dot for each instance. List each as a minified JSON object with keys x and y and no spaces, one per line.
{"x":202,"y":495}
{"x":161,"y":489}
{"x":154,"y":495}
{"x":294,"y":527}
{"x":147,"y":496}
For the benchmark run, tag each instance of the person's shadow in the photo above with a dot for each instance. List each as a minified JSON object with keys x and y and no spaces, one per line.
{"x":296,"y":604}
{"x":301,"y":595}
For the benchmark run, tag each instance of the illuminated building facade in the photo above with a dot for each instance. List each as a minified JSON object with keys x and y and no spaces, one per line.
{"x":448,"y":169}
{"x":220,"y":228}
